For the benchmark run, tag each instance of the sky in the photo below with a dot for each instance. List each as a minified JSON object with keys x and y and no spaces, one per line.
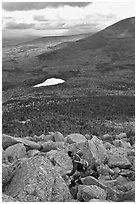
{"x":20,"y":19}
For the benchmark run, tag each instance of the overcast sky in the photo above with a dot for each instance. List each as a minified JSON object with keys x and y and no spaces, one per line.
{"x":64,"y":18}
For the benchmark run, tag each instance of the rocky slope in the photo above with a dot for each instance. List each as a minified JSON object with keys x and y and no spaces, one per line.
{"x":34,"y":168}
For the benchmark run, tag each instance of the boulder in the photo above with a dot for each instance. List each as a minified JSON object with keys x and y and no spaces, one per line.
{"x":9,"y":141}
{"x":126,"y":187}
{"x":117,"y":143}
{"x":15,"y":152}
{"x":121,"y":143}
{"x":117,"y":158}
{"x":121,"y":135}
{"x":98,"y":150}
{"x":60,"y":145}
{"x":88,"y":137}
{"x":97,"y":200}
{"x":58,"y":137}
{"x":6,"y":198}
{"x":105,"y":170}
{"x":107,"y":137}
{"x":60,"y":191}
{"x":46,"y":138}
{"x":37,"y":181}
{"x":89,"y":180}
{"x":48,"y":146}
{"x":36,"y":138}
{"x":75,"y":138}
{"x":109,"y":183}
{"x":33,"y":152}
{"x":60,"y":160}
{"x":108,"y":145}
{"x":86,"y":193}
{"x":121,"y":180}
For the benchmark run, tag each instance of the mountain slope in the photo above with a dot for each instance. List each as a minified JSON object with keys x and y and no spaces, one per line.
{"x":110,"y":51}
{"x":121,"y":31}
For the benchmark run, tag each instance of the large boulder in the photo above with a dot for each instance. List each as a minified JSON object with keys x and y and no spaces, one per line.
{"x":60,"y":160}
{"x":86,"y":193}
{"x":89,"y":180}
{"x":76,"y":138}
{"x":98,"y":150}
{"x":6,"y":198}
{"x":37,"y":181}
{"x":15,"y":152}
{"x":105,"y":170}
{"x":9,"y":141}
{"x":118,"y":158}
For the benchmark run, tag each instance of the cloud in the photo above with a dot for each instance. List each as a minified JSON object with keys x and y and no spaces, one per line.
{"x":13,"y":25}
{"x":51,"y":25}
{"x":39,"y":18}
{"x":51,"y":18}
{"x":25,"y":6}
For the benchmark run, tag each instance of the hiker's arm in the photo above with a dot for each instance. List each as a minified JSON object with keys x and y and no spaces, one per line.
{"x":73,"y":170}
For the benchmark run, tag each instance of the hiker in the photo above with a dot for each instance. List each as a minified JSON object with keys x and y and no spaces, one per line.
{"x":80,"y":168}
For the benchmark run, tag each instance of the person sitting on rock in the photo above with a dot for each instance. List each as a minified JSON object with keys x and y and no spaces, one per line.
{"x":80,"y":166}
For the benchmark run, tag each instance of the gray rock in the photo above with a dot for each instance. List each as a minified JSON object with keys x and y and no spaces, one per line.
{"x":108,"y":146}
{"x":105,"y":170}
{"x":86,"y":193}
{"x":75,"y":138}
{"x":88,"y":137}
{"x":33,"y":152}
{"x":122,"y":180}
{"x":15,"y":152}
{"x":117,"y":158}
{"x":107,"y":137}
{"x":46,"y":138}
{"x":58,"y":137}
{"x":121,"y":143}
{"x":126,"y":187}
{"x":48,"y":146}
{"x":36,"y":180}
{"x":9,"y":141}
{"x":97,"y":200}
{"x":60,"y":191}
{"x":61,"y":160}
{"x":36,"y":138}
{"x":89,"y":180}
{"x":6,"y":198}
{"x":121,"y":135}
{"x":98,"y":150}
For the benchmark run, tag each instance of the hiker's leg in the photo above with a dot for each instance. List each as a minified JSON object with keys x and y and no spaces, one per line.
{"x":74,"y":179}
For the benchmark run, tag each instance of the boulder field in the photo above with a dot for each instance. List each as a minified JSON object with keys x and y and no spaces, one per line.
{"x":34,"y":168}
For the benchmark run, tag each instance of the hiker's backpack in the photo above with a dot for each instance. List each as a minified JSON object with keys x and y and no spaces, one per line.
{"x":82,"y":165}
